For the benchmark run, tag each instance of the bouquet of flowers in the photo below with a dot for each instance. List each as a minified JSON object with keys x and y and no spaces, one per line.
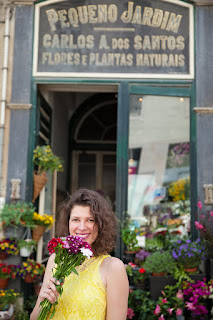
{"x":43,"y":220}
{"x":70,"y":252}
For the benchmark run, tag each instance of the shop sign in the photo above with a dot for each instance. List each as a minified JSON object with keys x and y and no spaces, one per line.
{"x":89,"y":38}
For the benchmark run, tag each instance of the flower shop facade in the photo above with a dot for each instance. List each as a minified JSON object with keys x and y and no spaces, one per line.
{"x":122,"y":93}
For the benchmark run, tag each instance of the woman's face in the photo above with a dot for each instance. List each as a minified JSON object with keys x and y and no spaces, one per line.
{"x":82,"y":224}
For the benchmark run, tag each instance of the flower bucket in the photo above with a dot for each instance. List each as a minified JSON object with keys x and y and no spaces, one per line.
{"x":38,"y":232}
{"x":39,"y":181}
{"x":3,"y":283}
{"x":7,"y":314}
{"x":28,"y":278}
{"x":191,"y":270}
{"x":3,"y":256}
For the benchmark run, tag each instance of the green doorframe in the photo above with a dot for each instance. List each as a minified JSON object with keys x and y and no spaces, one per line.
{"x":125,"y":88}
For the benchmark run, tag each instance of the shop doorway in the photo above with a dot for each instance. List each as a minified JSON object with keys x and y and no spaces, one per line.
{"x":84,"y":135}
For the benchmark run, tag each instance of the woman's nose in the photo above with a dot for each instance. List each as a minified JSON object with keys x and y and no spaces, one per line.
{"x":81,"y":225}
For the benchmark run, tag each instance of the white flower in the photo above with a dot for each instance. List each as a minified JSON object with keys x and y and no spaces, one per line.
{"x":86,"y":252}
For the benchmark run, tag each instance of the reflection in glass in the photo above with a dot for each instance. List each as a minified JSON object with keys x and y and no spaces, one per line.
{"x":159,"y":157}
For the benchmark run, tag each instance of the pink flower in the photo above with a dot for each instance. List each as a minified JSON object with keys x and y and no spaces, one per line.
{"x":130,"y":313}
{"x":190,"y":305}
{"x":198,"y":225}
{"x":179,"y":294}
{"x":199,"y":204}
{"x":161,"y":317}
{"x":169,"y":310}
{"x":164,"y":300}
{"x":179,"y":312}
{"x":211,"y":213}
{"x":157,"y":309}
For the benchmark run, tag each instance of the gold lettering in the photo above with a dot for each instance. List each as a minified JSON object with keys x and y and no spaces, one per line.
{"x":165,"y":19}
{"x":92,"y":13}
{"x":157,"y":18}
{"x":181,"y":60}
{"x":63,"y":18}
{"x":155,"y":43}
{"x":82,"y":14}
{"x":102,"y":13}
{"x":164,"y":60}
{"x":112,"y":13}
{"x":73,"y":17}
{"x":147,"y":15}
{"x":129,"y":59}
{"x":52,"y":17}
{"x":127,"y":15}
{"x":137,"y":15}
{"x":103,"y":42}
{"x":64,"y":41}
{"x":137,"y":42}
{"x":171,"y":43}
{"x":174,"y":22}
{"x":47,"y":40}
{"x":180,"y":43}
{"x":84,"y":59}
{"x":55,"y":41}
{"x":146,"y":43}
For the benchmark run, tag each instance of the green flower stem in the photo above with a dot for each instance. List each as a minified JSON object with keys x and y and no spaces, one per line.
{"x":45,"y":310}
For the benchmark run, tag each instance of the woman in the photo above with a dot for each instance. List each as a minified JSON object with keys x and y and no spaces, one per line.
{"x":100,"y":291}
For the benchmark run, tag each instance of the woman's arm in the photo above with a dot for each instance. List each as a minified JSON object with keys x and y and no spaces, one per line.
{"x":48,"y":289}
{"x":117,"y":288}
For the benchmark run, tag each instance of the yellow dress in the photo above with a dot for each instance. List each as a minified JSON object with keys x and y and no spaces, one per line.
{"x":84,"y":295}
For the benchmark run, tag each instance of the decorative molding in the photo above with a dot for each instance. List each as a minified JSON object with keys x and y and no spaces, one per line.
{"x":203,"y":110}
{"x":203,"y":2}
{"x":19,"y":106}
{"x":23,"y":2}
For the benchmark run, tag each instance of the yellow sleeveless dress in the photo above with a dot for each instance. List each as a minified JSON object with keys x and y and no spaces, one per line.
{"x":84,"y":295}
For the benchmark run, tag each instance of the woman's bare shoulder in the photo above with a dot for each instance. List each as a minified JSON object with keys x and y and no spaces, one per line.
{"x":113,"y":263}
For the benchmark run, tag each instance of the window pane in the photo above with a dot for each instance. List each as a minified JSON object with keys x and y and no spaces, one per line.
{"x":159,"y":147}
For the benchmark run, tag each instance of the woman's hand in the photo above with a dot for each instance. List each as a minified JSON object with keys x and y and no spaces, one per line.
{"x":48,"y":291}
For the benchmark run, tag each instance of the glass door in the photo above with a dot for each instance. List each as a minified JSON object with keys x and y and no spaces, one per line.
{"x":159,"y":158}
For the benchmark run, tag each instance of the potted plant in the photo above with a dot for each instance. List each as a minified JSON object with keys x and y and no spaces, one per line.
{"x":160,"y":263}
{"x":17,"y":214}
{"x":45,"y":160}
{"x":5,"y":274}
{"x":188,"y":253}
{"x":26,"y":247}
{"x":205,"y":227}
{"x":129,"y":237}
{"x":141,"y":256}
{"x":29,"y":269}
{"x":137,"y":276}
{"x":42,"y":222}
{"x":7,"y":301}
{"x":8,"y":247}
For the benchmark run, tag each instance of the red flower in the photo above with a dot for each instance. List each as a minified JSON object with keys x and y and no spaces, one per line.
{"x":53,"y":243}
{"x":142,"y":270}
{"x":4,"y":270}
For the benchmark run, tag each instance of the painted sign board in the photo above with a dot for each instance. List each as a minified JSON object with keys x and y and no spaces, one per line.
{"x":89,"y":38}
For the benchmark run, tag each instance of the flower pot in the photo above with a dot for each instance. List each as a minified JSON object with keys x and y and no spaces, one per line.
{"x":157,"y":285}
{"x":39,"y":181}
{"x":25,"y":252}
{"x":159,"y":274}
{"x":28,"y":278}
{"x":3,"y":283}
{"x":3,"y":256}
{"x":7,"y":314}
{"x":38,"y":232}
{"x":191,"y":270}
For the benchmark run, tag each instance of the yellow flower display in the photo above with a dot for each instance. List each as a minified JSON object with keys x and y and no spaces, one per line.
{"x":44,"y":158}
{"x":43,"y":220}
{"x":179,"y":190}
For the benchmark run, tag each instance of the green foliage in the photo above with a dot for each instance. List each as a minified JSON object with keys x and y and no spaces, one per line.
{"x":44,"y":158}
{"x":16,"y":214}
{"x":153,"y":244}
{"x":7,"y":297}
{"x":160,"y":262}
{"x":129,"y":235}
{"x":21,"y":315}
{"x":28,"y":244}
{"x":142,"y":304}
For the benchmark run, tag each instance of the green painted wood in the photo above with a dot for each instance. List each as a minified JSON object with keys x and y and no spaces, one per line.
{"x":152,"y":90}
{"x":122,"y":158}
{"x":32,"y":136}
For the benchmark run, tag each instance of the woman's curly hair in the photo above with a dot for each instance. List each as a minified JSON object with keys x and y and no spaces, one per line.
{"x":102,"y":212}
